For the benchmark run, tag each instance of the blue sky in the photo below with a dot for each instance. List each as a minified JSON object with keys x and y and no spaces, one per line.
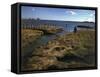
{"x":57,"y":14}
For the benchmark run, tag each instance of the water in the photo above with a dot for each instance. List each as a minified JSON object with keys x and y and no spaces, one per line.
{"x":66,"y":25}
{"x":43,"y":40}
{"x":69,"y":27}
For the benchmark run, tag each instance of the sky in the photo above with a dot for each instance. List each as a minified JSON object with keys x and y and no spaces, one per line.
{"x":45,"y":13}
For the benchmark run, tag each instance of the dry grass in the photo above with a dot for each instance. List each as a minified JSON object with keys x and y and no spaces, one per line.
{"x":82,"y":44}
{"x":29,"y":35}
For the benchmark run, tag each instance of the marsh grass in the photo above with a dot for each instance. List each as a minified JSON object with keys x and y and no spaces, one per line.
{"x":80,"y":54}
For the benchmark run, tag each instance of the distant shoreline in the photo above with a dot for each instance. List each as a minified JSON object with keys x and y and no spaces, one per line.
{"x":57,"y":20}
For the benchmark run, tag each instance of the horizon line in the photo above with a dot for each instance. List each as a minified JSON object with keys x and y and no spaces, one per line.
{"x":57,"y":20}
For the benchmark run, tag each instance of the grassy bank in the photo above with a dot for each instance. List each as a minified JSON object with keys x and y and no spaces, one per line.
{"x":29,"y":35}
{"x":67,"y":51}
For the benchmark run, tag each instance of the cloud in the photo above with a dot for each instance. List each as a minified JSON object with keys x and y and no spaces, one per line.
{"x":93,"y":14}
{"x":91,"y":19}
{"x":72,"y":12}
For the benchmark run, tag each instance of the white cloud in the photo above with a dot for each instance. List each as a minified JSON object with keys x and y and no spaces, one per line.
{"x":72,"y":12}
{"x":91,"y":19}
{"x":93,"y":14}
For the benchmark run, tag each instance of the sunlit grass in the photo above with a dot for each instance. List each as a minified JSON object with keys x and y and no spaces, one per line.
{"x":29,"y":35}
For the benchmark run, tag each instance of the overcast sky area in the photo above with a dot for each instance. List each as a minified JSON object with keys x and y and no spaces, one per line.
{"x":44,"y":13}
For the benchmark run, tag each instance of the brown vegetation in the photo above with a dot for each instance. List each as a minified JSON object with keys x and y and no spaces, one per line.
{"x":80,"y":44}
